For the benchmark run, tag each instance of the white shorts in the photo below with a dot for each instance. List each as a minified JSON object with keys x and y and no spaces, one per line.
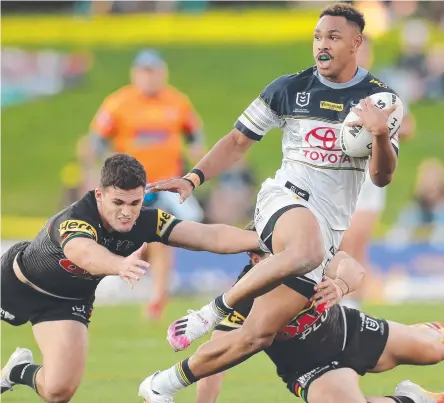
{"x":371,"y":197}
{"x":189,"y":210}
{"x":272,"y":201}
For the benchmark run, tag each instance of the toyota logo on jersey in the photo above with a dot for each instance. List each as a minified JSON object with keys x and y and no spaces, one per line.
{"x":323,"y":138}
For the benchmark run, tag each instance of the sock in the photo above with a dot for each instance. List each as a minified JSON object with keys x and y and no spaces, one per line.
{"x":401,"y":399}
{"x":174,"y":379}
{"x":220,"y":307}
{"x":24,"y":374}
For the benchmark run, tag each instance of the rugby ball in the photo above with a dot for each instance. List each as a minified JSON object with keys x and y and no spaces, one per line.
{"x":355,"y":140}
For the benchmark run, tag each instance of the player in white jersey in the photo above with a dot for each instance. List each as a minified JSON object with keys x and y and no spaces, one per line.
{"x":371,"y":200}
{"x":302,"y":213}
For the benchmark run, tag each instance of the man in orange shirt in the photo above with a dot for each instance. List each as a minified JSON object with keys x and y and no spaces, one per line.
{"x":150,"y":120}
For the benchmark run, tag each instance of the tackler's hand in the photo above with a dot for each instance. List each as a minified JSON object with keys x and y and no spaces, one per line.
{"x":133,"y":266}
{"x":181,"y":186}
{"x":328,"y":291}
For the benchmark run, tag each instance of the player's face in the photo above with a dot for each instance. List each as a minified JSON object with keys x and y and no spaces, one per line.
{"x":149,"y":81}
{"x":119,"y":208}
{"x":335,"y":44}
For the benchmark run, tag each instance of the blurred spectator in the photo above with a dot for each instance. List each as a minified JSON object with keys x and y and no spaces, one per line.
{"x":232,"y":201}
{"x":419,"y":70}
{"x":423,"y":219}
{"x":435,"y":68}
{"x":150,"y":120}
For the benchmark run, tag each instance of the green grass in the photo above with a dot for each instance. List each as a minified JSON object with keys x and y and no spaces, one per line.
{"x":38,"y":138}
{"x":125,"y":348}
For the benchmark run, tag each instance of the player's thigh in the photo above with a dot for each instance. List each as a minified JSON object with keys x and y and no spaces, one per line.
{"x":409,"y":345}
{"x":64,"y":347}
{"x":297,"y":228}
{"x":336,"y":386}
{"x":282,"y":221}
{"x":271,"y":312}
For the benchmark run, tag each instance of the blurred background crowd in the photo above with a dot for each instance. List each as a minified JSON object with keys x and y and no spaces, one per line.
{"x":61,"y":92}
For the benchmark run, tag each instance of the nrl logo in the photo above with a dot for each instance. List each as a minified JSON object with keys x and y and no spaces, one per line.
{"x":302,"y":98}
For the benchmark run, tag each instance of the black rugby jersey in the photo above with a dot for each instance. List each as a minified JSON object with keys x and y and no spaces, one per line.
{"x":44,"y":264}
{"x":314,"y":337}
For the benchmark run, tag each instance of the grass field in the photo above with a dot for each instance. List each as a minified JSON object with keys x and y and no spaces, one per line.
{"x":125,"y":348}
{"x":38,"y":138}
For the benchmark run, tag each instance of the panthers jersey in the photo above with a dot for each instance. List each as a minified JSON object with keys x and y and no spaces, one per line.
{"x":45,"y":265}
{"x":309,"y":110}
{"x":314,"y":336}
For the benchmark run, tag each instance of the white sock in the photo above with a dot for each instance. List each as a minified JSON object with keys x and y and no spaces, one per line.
{"x":168,"y":382}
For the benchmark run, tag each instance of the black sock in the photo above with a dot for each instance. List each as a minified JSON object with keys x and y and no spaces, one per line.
{"x":190,"y":378}
{"x":24,"y":374}
{"x":221,"y":306}
{"x":401,"y":399}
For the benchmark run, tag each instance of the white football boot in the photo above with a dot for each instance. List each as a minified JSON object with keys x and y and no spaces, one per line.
{"x":196,"y":324}
{"x":149,"y":395}
{"x":417,"y":394}
{"x":19,"y":356}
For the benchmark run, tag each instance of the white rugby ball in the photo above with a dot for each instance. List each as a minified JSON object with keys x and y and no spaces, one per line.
{"x":355,"y":140}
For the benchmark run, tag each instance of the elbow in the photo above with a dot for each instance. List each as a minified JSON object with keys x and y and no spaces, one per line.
{"x":382,"y":180}
{"x":239,"y":141}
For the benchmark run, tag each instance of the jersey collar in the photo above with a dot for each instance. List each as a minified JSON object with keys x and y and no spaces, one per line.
{"x":358,"y":77}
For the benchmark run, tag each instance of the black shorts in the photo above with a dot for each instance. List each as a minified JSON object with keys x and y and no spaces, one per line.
{"x":366,"y":342}
{"x":21,"y":304}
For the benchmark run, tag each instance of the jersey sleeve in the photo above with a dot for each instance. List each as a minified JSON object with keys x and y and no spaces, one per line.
{"x":70,"y":225}
{"x":264,"y":113}
{"x":157,"y":225}
{"x":105,"y":122}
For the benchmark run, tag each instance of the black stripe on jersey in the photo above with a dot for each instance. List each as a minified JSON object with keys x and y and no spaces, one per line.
{"x":75,"y":235}
{"x":247,"y":132}
{"x":396,"y":149}
{"x":164,"y":238}
{"x":302,"y":285}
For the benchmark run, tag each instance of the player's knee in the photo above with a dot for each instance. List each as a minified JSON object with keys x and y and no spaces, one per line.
{"x":306,"y":260}
{"x":256,"y":339}
{"x":59,"y":393}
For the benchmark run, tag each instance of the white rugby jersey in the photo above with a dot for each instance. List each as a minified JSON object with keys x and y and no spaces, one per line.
{"x":309,"y":110}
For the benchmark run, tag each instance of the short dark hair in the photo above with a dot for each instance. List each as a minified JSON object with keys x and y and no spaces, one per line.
{"x":122,"y":171}
{"x":251,"y":227}
{"x":350,"y":13}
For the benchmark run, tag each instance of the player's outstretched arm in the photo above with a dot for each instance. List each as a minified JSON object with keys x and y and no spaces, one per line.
{"x":99,"y":261}
{"x":225,"y":153}
{"x":208,"y":389}
{"x":345,"y":275}
{"x":216,"y":238}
